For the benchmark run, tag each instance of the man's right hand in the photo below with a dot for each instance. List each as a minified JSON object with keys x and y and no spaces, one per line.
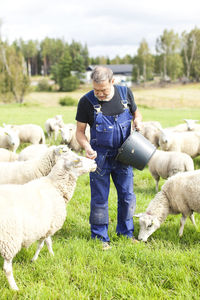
{"x":90,"y":153}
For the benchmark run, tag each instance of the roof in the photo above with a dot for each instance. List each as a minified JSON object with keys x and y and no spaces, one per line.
{"x":117,"y":69}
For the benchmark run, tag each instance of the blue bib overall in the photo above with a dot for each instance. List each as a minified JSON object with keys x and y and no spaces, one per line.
{"x":107,"y":135}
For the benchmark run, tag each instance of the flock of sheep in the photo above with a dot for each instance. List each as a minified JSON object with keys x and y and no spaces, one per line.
{"x":180,"y":193}
{"x":35,"y":186}
{"x":50,"y":173}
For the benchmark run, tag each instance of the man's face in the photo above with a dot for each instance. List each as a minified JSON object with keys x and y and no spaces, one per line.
{"x":102,"y":90}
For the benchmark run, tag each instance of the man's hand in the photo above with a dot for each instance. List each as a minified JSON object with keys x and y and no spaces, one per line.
{"x":137,"y":125}
{"x":90,"y":153}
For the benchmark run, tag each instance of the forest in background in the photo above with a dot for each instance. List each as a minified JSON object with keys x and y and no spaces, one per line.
{"x":177,"y":58}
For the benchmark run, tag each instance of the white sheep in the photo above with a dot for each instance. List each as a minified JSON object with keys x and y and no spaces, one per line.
{"x":167,"y":163}
{"x":32,"y":151}
{"x":9,"y":139}
{"x":190,"y":125}
{"x":19,"y":172}
{"x":53,"y":126}
{"x":187,"y":142}
{"x":29,"y":133}
{"x":151,"y":131}
{"x":36,"y":210}
{"x":180,"y":194}
{"x":7,"y":155}
{"x":68,"y":134}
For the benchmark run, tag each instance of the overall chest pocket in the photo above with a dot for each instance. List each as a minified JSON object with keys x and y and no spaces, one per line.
{"x":125,"y":129}
{"x":104,"y":134}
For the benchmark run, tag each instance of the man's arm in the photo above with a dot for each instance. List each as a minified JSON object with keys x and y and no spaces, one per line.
{"x":83,"y":141}
{"x":137,"y":119}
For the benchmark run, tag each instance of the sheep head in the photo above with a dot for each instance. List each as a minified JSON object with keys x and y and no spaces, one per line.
{"x":148,"y":225}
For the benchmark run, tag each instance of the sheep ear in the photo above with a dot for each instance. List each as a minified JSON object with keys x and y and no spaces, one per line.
{"x":139,"y":215}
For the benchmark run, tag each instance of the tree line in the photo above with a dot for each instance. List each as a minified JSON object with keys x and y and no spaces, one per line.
{"x":177,"y":56}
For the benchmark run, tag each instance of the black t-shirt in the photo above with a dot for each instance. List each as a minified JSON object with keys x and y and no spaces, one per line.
{"x":85,"y":110}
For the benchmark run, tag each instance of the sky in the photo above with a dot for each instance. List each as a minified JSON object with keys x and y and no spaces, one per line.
{"x":108,"y":27}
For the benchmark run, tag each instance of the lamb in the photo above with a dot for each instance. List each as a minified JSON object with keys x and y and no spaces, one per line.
{"x":151,"y":130}
{"x":68,"y":134}
{"x":20,"y":172}
{"x":165,"y":164}
{"x":179,"y":194}
{"x":187,"y":142}
{"x":36,"y":210}
{"x":7,"y":155}
{"x":32,"y":151}
{"x":29,"y":133}
{"x":53,"y":126}
{"x":9,"y":139}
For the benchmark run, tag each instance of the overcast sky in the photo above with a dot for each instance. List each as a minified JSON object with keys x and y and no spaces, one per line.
{"x":108,"y":27}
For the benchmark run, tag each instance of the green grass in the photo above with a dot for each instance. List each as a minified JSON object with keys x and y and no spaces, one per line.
{"x":167,"y":267}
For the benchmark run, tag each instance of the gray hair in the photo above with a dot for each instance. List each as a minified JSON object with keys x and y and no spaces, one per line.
{"x":101,"y":73}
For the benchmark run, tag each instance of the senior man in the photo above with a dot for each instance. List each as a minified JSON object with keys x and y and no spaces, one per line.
{"x":109,"y":110}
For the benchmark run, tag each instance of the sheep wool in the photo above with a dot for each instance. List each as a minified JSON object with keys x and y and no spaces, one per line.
{"x":179,"y":195}
{"x":167,"y":163}
{"x":19,"y":172}
{"x":36,"y":210}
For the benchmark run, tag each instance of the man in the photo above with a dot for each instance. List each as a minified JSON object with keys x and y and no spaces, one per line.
{"x":109,"y":110}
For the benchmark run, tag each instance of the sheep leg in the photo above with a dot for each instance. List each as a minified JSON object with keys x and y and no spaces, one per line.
{"x":193,"y":220}
{"x":49,"y":245}
{"x":182,"y":223}
{"x":156,"y":186}
{"x":40,"y":245}
{"x":7,"y":267}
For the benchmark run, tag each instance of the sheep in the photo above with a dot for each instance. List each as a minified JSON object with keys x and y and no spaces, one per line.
{"x":53,"y":126}
{"x":151,"y":131}
{"x":68,"y":134}
{"x":179,"y":194}
{"x":165,"y":164}
{"x":19,"y":172}
{"x":36,"y":210}
{"x":29,"y":133}
{"x":32,"y":151}
{"x":189,"y":126}
{"x":7,"y":155}
{"x":9,"y":139}
{"x":187,"y":142}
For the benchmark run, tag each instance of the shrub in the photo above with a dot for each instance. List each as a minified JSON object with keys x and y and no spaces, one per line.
{"x":69,"y":84}
{"x":67,"y":101}
{"x":43,"y":86}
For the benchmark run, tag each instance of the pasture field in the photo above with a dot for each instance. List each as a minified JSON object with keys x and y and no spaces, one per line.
{"x":166,"y":267}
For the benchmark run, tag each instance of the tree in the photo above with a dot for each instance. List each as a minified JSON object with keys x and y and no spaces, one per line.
{"x":195,"y":66}
{"x":30,"y":51}
{"x":167,"y":45}
{"x":146,"y":61}
{"x":188,"y":42}
{"x":15,"y":80}
{"x":62,"y":70}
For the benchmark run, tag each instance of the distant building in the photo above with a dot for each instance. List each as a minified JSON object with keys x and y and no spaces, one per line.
{"x":122,"y":73}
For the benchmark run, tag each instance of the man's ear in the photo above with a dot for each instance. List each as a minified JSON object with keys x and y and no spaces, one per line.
{"x":113,"y":80}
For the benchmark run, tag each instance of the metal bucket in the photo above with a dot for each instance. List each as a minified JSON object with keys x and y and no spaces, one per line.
{"x":136,"y":151}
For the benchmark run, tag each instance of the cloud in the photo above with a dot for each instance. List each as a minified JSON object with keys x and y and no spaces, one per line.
{"x":105,"y":26}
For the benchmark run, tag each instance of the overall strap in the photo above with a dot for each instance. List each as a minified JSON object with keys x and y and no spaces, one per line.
{"x":93,"y":100}
{"x":91,"y":97}
{"x":122,"y":91}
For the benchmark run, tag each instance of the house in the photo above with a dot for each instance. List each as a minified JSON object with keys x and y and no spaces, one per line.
{"x":122,"y":73}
